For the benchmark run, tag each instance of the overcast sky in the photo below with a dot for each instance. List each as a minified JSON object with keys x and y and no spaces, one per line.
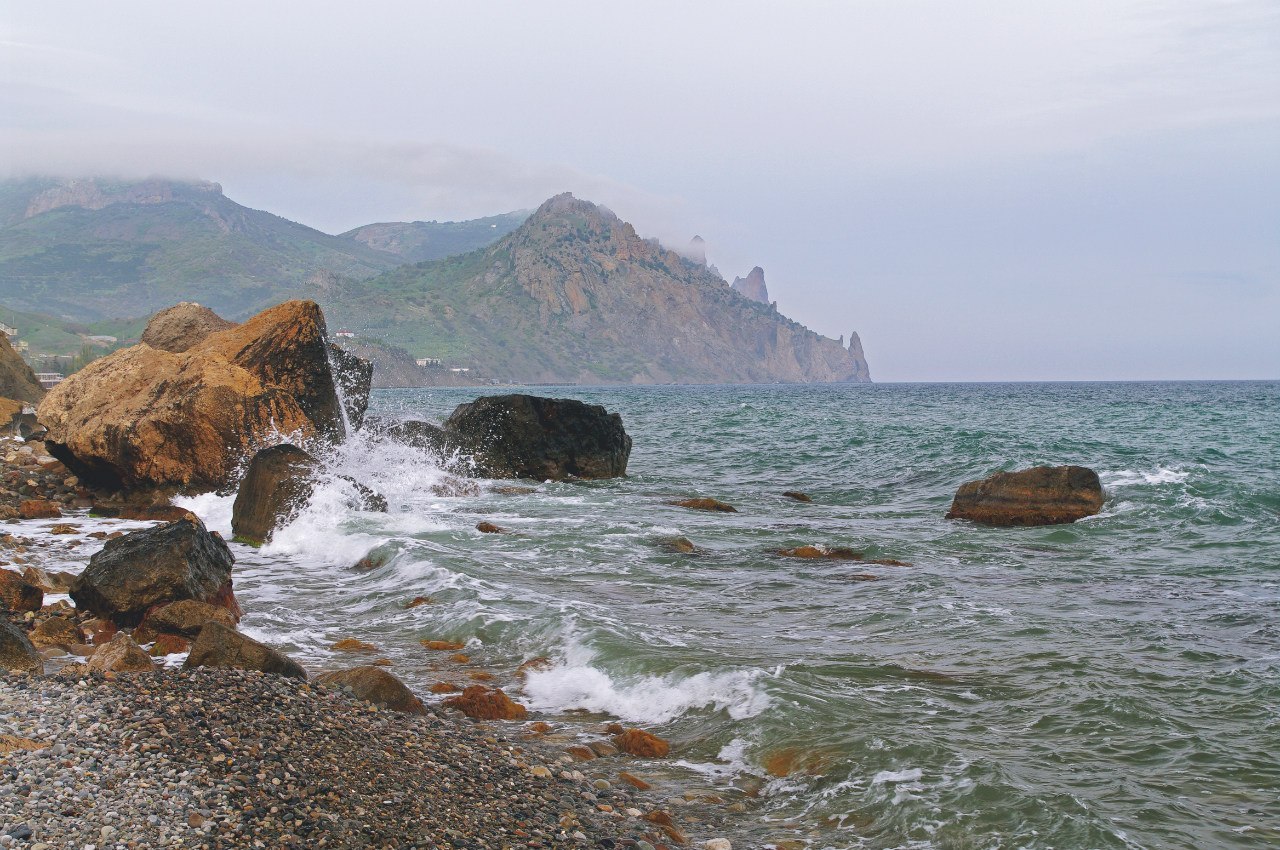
{"x":984,"y":190}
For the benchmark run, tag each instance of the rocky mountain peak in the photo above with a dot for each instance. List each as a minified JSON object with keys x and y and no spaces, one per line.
{"x":752,"y":286}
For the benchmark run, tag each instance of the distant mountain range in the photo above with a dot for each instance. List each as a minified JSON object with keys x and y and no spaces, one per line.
{"x":569,"y":293}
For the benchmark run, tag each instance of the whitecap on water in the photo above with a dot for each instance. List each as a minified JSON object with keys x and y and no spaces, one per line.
{"x":1132,"y":477}
{"x":575,"y":684}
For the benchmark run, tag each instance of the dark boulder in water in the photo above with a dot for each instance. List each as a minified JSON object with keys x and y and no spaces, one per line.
{"x":524,"y":436}
{"x":279,"y":481}
{"x":1042,"y":495}
{"x":219,"y":646}
{"x":276,"y":485}
{"x":138,"y":571}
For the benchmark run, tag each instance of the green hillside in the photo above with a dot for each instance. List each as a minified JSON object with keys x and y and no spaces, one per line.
{"x":91,"y":249}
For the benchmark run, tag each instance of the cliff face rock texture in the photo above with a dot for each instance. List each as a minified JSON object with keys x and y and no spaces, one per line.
{"x":752,"y":286}
{"x":17,"y":381}
{"x":575,"y":295}
{"x":145,"y":418}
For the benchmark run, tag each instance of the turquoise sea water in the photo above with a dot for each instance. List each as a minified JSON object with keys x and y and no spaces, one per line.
{"x":1112,"y":683}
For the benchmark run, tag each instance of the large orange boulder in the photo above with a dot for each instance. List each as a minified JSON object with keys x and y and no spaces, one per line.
{"x":149,"y":418}
{"x":1042,"y":495}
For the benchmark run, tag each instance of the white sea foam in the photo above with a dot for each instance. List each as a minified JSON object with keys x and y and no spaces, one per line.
{"x":892,"y":776}
{"x":575,"y":684}
{"x":1133,"y":477}
{"x":214,"y":510}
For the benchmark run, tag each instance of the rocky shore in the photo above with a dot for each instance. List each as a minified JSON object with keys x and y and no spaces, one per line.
{"x":230,"y":758}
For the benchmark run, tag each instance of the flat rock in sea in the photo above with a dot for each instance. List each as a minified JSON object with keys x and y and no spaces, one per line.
{"x":374,"y":685}
{"x":16,"y":652}
{"x":168,"y":563}
{"x":524,"y":436}
{"x":219,"y":646}
{"x":1042,"y":495}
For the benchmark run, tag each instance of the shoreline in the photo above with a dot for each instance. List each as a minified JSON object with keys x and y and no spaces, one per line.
{"x":121,"y":739}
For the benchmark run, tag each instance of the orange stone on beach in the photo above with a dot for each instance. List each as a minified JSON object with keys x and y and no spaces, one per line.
{"x":444,"y":688}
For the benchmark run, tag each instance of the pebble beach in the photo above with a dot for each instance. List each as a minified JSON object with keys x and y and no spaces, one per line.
{"x":209,"y":758}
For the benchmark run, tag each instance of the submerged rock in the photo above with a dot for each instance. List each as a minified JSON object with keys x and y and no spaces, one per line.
{"x":143,"y":569}
{"x":638,"y":742}
{"x":524,"y":436}
{"x":1042,"y":495}
{"x":483,"y":703}
{"x":16,"y":652}
{"x":837,"y":553}
{"x":678,"y":545}
{"x":797,"y":495}
{"x":219,"y":646}
{"x":486,"y":527}
{"x":706,"y":505}
{"x":145,"y":418}
{"x":375,"y":685}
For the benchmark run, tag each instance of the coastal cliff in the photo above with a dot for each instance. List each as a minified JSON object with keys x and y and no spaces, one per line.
{"x":576,"y":295}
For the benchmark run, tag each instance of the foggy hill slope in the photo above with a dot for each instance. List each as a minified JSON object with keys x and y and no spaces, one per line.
{"x":94,"y":248}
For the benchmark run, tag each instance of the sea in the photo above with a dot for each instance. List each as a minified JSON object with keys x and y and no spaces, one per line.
{"x":1113,"y":683}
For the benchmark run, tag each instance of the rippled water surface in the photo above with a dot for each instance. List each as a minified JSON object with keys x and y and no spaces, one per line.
{"x":1112,"y":683}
